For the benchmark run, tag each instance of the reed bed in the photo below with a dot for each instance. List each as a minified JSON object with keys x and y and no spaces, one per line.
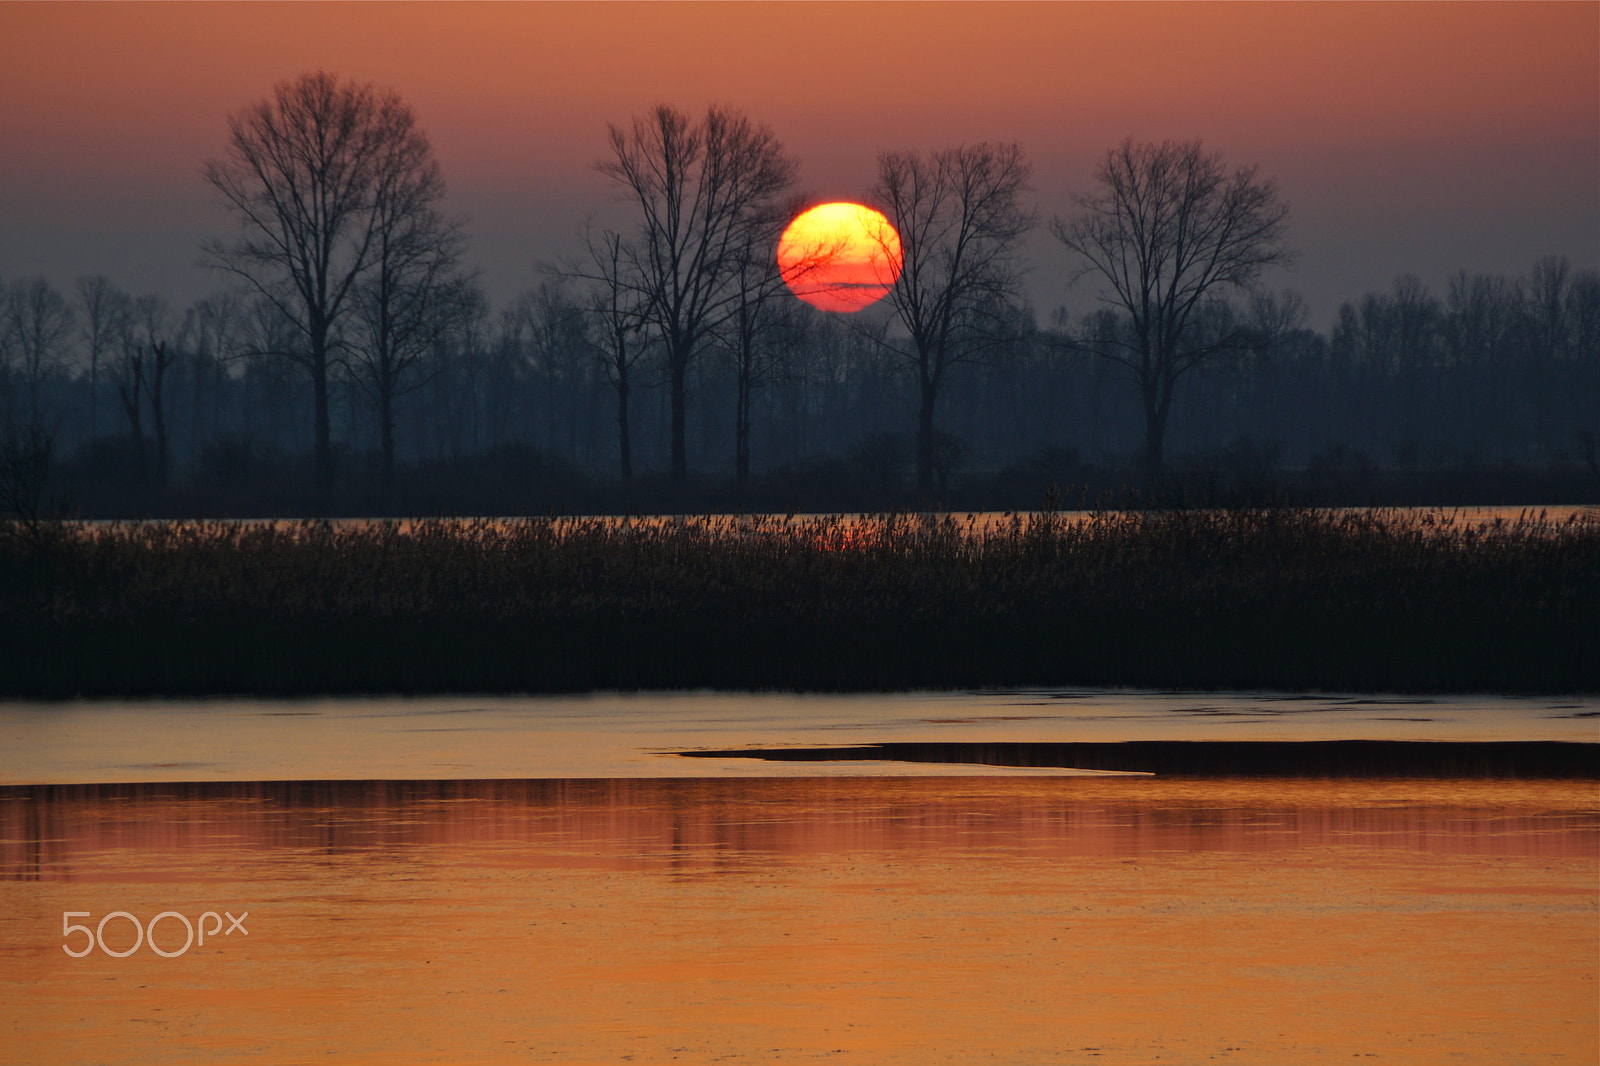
{"x":1283,"y":599}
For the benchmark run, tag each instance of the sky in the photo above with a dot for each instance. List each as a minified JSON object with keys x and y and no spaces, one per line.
{"x":1421,"y":138}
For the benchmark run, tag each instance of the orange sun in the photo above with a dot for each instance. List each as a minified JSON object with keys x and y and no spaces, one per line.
{"x":839,"y":257}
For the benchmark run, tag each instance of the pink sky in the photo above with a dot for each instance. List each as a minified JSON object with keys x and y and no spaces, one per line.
{"x":1424,"y":138}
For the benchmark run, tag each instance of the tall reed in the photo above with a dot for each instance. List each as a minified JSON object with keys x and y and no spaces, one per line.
{"x":1283,"y":598}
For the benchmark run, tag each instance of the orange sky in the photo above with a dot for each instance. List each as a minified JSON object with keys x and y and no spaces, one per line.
{"x":1426,"y":137}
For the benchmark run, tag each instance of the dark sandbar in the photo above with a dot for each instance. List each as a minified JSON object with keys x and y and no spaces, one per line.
{"x":1318,"y":758}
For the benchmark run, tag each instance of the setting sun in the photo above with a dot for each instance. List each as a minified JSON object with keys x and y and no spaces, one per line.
{"x":840,"y":256}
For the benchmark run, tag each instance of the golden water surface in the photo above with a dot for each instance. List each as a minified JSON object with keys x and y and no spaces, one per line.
{"x":836,"y":920}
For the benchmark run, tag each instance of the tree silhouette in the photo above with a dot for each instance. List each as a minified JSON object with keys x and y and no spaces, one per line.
{"x":220,"y":321}
{"x":750,"y":334}
{"x":557,"y":358}
{"x":413,"y":294}
{"x":311,"y":174}
{"x":102,"y":303}
{"x":37,"y":324}
{"x":130,"y":377}
{"x":616,"y":312}
{"x":26,"y":463}
{"x":701,"y":188}
{"x":162,"y":343}
{"x":960,"y":217}
{"x":1168,"y":229}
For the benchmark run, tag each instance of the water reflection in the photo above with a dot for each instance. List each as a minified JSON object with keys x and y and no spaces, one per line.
{"x":848,"y":920}
{"x":79,"y":832}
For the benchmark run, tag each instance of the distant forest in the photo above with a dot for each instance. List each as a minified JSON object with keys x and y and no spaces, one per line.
{"x":119,"y":405}
{"x":1490,"y":395}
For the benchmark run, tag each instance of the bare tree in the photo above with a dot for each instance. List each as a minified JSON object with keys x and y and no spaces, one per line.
{"x":616,"y":311}
{"x":102,"y":304}
{"x":26,"y":461}
{"x":1169,"y":229}
{"x":961,"y":219}
{"x":413,"y":294}
{"x":1583,"y":315}
{"x":306,"y":172}
{"x":163,"y":340}
{"x":1546,"y":300}
{"x":129,"y":375}
{"x":558,"y":357}
{"x":1583,"y":319}
{"x":218,"y":342}
{"x":268,"y":395}
{"x":39,"y":324}
{"x":701,"y":188}
{"x":1275,"y":315}
{"x":8,"y":345}
{"x":145,"y":341}
{"x":759,"y":317}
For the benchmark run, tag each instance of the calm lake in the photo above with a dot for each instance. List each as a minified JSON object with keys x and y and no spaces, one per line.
{"x":476,"y":880}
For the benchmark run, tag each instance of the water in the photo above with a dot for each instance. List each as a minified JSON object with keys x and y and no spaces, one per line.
{"x":546,"y":880}
{"x":633,"y":735}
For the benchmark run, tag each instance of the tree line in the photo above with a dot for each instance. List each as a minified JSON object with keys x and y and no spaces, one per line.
{"x":352,"y":362}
